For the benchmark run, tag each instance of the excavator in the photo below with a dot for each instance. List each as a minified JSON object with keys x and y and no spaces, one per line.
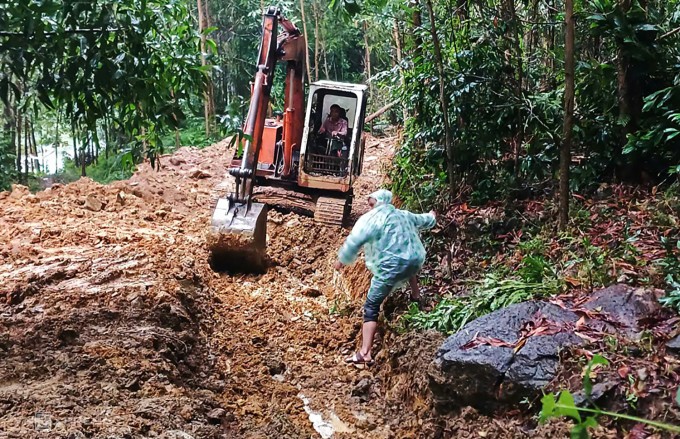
{"x":314,"y":171}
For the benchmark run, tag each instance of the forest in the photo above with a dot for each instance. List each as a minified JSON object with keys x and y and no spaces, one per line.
{"x":544,"y":133}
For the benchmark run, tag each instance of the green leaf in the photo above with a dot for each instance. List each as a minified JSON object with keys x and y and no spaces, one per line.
{"x":597,"y":17}
{"x":587,"y":382}
{"x":579,"y":431}
{"x":566,"y":406}
{"x":547,"y":407}
{"x":212,"y":46}
{"x":209,"y":30}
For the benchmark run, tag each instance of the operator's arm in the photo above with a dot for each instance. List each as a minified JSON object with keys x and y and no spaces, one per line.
{"x":323,"y":127}
{"x":422,"y":220}
{"x":361,"y":233}
{"x":342,"y":131}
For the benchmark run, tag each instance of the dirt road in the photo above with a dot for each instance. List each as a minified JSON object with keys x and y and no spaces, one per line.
{"x":113,"y":325}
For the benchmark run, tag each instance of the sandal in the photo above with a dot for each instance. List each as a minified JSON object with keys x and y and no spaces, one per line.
{"x":359,"y":359}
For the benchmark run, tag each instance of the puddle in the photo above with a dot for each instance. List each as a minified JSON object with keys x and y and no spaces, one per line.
{"x":325,"y":428}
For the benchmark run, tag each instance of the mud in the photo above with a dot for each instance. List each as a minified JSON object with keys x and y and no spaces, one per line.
{"x":113,"y":324}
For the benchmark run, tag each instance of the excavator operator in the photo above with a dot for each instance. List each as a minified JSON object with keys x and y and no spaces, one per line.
{"x":335,"y":126}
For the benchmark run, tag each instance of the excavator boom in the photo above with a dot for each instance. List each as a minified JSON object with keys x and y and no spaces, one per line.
{"x":237,"y":238}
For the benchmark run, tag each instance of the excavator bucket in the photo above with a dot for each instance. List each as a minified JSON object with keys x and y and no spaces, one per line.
{"x":238,"y":237}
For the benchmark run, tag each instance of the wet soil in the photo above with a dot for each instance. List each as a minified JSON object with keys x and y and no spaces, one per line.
{"x":114,"y":325}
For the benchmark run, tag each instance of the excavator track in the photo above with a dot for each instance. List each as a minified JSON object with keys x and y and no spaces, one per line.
{"x":331,"y":211}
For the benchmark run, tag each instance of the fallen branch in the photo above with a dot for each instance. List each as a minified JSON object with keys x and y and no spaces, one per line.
{"x":378,"y":113}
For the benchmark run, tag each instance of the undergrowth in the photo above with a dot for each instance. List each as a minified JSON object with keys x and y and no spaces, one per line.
{"x":489,"y":295}
{"x":512,"y":253}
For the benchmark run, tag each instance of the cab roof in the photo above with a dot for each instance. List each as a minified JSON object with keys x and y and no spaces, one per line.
{"x":344,"y":86}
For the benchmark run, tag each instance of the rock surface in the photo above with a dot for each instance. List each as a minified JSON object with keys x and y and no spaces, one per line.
{"x":511,"y":354}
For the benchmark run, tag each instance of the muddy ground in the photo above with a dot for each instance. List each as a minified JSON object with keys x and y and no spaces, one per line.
{"x":113,"y":325}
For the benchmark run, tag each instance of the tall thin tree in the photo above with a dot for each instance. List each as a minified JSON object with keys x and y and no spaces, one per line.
{"x":208,"y":104}
{"x":304,"y":30}
{"x":565,"y":148}
{"x":444,"y":103}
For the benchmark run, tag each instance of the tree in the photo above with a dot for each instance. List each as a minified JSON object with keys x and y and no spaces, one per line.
{"x":208,"y":95}
{"x":565,"y":148}
{"x":448,"y":142}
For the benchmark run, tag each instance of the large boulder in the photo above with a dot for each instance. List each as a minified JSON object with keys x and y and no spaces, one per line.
{"x":511,"y":354}
{"x":499,"y":370}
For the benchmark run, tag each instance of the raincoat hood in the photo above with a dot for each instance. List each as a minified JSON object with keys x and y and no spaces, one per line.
{"x":381,"y":196}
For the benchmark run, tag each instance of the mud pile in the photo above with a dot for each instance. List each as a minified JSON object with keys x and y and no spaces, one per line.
{"x":112,"y":323}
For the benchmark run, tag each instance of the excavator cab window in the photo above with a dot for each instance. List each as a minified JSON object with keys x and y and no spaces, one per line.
{"x":329,"y":155}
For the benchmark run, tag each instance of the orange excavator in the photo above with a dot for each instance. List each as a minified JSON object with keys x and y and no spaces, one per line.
{"x":294,"y":155}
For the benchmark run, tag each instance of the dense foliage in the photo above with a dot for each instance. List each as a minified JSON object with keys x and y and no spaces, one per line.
{"x":124,"y":74}
{"x":106,"y":69}
{"x":502,"y":71}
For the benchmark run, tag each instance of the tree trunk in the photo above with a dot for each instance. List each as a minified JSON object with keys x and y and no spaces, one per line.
{"x":208,"y":106}
{"x":516,"y":68}
{"x":325,"y":59}
{"x":34,"y":149}
{"x":27,"y":148}
{"x":549,"y":60}
{"x":18,"y":131}
{"x":630,"y":99}
{"x":106,"y":138}
{"x":304,"y":30}
{"x":56,"y":145}
{"x":417,"y":23}
{"x":402,"y":80}
{"x":565,"y":148}
{"x":83,"y":159}
{"x":367,"y":58}
{"x":75,"y":145}
{"x":448,"y":142}
{"x":316,"y":13}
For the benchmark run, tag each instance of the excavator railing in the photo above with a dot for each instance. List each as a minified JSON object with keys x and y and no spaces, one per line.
{"x":326,"y":165}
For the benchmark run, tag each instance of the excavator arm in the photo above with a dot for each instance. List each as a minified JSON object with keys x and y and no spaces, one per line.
{"x":237,"y":238}
{"x":287,"y":46}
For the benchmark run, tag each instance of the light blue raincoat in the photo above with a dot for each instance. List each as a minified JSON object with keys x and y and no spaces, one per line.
{"x":391,"y":241}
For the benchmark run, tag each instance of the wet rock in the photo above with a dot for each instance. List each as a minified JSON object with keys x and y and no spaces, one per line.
{"x":176,"y":161}
{"x":673,"y":345}
{"x":362,"y":389}
{"x":198,"y":174}
{"x":597,"y":393}
{"x":492,"y":362}
{"x":624,"y":306}
{"x":215,"y":416}
{"x":486,"y":376}
{"x":120,"y":198}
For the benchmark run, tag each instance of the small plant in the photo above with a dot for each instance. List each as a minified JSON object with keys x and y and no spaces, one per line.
{"x":672,"y":297}
{"x":563,"y":405}
{"x":489,"y":295}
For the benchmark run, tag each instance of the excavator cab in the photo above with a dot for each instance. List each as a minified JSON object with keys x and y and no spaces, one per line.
{"x":326,"y":162}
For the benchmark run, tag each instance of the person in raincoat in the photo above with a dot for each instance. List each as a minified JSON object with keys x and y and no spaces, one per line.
{"x":394,"y":254}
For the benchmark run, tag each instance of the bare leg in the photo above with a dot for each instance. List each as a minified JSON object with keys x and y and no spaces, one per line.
{"x":367,"y":335}
{"x":415,"y":291}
